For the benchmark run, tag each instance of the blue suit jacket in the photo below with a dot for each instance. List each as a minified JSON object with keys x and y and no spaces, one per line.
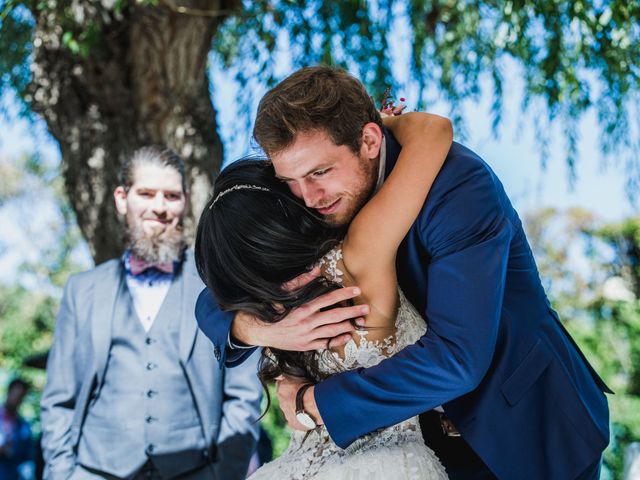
{"x":495,"y":354}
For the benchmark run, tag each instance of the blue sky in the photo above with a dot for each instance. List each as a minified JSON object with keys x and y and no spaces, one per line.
{"x":514,"y":155}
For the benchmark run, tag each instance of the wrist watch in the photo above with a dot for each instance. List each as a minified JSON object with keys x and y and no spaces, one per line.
{"x":303,"y":417}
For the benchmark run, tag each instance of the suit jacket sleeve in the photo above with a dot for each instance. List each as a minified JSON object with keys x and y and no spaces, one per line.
{"x":465,"y":229}
{"x":216,"y":325}
{"x":59,"y":395}
{"x":239,"y":425}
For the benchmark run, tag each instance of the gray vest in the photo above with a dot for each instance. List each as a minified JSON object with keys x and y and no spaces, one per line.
{"x":144,"y":406}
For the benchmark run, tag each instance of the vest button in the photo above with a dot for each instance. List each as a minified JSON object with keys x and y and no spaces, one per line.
{"x":150,"y":419}
{"x":151,"y":393}
{"x":151,"y":366}
{"x":148,"y":340}
{"x":150,"y":448}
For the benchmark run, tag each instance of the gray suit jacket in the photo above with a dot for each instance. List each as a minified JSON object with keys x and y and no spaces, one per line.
{"x":228,"y":401}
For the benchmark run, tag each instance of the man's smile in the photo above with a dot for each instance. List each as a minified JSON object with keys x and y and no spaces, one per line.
{"x":331,"y":208}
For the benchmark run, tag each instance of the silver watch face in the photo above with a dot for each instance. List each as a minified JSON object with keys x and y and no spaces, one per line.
{"x":305,"y":419}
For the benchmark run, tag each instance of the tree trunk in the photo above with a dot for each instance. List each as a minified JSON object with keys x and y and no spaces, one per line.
{"x":143,"y":82}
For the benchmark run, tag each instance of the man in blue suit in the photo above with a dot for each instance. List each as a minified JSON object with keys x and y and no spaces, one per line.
{"x":506,"y":392}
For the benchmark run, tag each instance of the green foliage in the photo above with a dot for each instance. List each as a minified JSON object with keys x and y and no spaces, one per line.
{"x":26,"y":181}
{"x":555,"y":238}
{"x":27,"y":322}
{"x":26,"y":331}
{"x":573,"y":55}
{"x":16,"y":32}
{"x":28,"y":306}
{"x":606,"y":345}
{"x":275,"y":424}
{"x":625,"y":412}
{"x":624,"y":238}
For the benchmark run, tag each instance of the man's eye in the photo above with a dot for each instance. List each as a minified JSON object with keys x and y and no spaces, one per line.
{"x":173,"y":196}
{"x":145,"y":194}
{"x":320,"y":173}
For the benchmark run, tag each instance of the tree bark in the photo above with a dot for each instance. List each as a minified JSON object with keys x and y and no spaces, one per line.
{"x":143,"y":82}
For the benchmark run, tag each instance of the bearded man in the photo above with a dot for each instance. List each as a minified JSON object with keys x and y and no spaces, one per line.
{"x":133,"y":387}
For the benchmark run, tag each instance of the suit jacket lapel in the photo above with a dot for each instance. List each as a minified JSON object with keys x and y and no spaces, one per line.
{"x":188,"y":325}
{"x":105,"y":295}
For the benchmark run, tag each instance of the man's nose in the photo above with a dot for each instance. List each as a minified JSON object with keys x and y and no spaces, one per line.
{"x":310,"y":193}
{"x":159,"y":203}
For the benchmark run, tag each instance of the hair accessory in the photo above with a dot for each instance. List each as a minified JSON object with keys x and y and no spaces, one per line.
{"x":237,"y":187}
{"x":388,"y":107}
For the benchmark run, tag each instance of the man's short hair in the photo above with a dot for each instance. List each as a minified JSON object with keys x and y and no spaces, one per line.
{"x":19,"y":382}
{"x":315,"y":98}
{"x":157,"y":155}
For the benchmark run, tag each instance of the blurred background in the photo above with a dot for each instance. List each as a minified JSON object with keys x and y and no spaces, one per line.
{"x":547,"y":92}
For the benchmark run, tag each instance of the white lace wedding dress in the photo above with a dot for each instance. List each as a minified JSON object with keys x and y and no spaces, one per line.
{"x":393,"y":453}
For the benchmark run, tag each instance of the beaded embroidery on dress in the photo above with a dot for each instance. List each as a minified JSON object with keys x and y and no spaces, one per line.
{"x":396,"y":452}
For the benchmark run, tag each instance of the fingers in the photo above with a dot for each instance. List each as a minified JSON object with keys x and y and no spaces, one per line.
{"x":338,"y":314}
{"x":303,"y":279}
{"x":332,"y":330}
{"x":398,"y":110}
{"x":339,"y":341}
{"x":298,"y":331}
{"x":330,"y":343}
{"x":386,"y":112}
{"x":244,"y":327}
{"x":391,"y":110}
{"x":331,"y":298}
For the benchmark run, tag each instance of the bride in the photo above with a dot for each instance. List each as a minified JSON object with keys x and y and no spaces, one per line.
{"x":255,"y":237}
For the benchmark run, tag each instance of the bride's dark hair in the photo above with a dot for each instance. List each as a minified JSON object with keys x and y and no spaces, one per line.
{"x":250,"y":241}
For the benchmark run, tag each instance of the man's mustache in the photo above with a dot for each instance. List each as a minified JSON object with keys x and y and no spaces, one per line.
{"x":178,"y":227}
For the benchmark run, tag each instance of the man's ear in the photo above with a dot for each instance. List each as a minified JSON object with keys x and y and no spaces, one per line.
{"x":120,"y":196}
{"x":371,"y":140}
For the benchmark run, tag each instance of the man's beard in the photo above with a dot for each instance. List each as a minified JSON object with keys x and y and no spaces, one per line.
{"x":361,"y":195}
{"x":164,"y":246}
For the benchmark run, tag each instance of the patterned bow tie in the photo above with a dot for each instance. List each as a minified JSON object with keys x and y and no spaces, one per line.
{"x":137,"y":266}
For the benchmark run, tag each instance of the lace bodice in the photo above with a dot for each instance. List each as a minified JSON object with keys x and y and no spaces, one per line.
{"x":409,"y":327}
{"x":396,"y":452}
